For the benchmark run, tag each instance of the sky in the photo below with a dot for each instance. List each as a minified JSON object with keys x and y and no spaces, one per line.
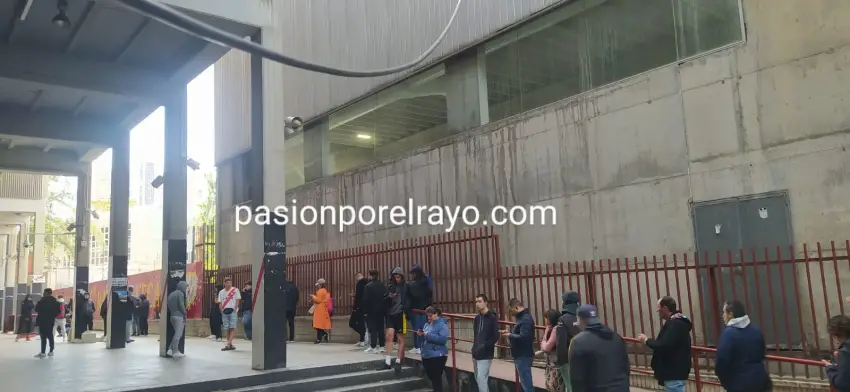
{"x":147,"y":138}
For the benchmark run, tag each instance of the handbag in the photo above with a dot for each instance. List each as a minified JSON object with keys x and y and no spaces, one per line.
{"x":312,"y":309}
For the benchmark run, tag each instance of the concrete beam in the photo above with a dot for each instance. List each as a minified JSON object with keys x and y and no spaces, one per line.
{"x":249,"y":12}
{"x":50,"y":70}
{"x":45,"y":125}
{"x":35,"y":160}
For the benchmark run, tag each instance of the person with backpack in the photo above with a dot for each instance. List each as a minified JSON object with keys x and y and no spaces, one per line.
{"x":321,"y":311}
{"x":59,"y":323}
{"x":567,"y":330}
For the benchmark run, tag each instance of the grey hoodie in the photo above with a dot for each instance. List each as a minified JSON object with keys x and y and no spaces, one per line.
{"x":177,"y":300}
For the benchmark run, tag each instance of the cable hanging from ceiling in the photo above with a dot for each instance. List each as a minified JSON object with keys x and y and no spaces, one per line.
{"x":168,"y":15}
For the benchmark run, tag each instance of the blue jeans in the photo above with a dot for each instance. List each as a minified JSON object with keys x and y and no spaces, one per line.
{"x":523,"y":368}
{"x":417,"y":321}
{"x":246,"y":322}
{"x":482,"y":374}
{"x":675,"y":386}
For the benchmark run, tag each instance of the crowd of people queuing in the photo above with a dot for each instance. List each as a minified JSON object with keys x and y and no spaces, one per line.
{"x":581,"y":352}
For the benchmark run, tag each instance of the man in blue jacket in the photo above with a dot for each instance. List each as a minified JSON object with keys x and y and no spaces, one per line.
{"x":522,"y":341}
{"x":740,"y":353}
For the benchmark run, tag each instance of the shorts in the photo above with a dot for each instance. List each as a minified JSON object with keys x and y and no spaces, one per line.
{"x":396,"y":322}
{"x":228,"y":321}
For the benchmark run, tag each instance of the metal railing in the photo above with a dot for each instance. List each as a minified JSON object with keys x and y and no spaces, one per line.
{"x":698,"y":352}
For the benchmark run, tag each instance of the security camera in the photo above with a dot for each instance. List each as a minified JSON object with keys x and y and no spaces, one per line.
{"x":193,"y":164}
{"x":71,"y":227}
{"x":157,"y":182}
{"x":26,"y":244}
{"x":293,"y":123}
{"x":95,"y":215}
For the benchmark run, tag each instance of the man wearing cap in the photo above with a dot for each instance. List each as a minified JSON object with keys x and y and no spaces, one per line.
{"x":567,"y":330}
{"x":597,"y":356}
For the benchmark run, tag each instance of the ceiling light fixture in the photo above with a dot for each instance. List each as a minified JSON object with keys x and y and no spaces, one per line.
{"x":61,"y":19}
{"x":364,"y":136}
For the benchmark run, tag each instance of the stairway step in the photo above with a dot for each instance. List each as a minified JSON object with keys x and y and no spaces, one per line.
{"x":331,"y":381}
{"x":412,"y":384}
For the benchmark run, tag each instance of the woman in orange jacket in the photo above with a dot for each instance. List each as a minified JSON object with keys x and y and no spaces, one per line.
{"x":321,"y":313}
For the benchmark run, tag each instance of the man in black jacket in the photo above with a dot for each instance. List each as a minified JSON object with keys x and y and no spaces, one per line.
{"x":597,"y":356}
{"x":567,"y":330}
{"x":522,"y":343}
{"x":374,"y":309}
{"x":357,"y":321}
{"x":671,"y":350}
{"x":486,"y":329}
{"x":418,"y":298}
{"x":47,"y":310}
{"x":290,"y":306}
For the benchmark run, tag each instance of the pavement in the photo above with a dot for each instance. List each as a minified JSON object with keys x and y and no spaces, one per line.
{"x":93,"y":368}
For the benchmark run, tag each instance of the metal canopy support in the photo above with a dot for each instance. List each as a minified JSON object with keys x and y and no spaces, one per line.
{"x":174,"y":221}
{"x":119,"y":306}
{"x":82,"y":248}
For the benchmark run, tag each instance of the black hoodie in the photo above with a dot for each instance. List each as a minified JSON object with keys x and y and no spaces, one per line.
{"x":418,"y":291}
{"x":598,"y":361}
{"x":359,"y":291}
{"x":671,"y":350}
{"x":839,"y":372}
{"x":486,"y":327}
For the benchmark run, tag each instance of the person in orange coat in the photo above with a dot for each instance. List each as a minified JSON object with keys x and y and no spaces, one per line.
{"x":321,"y":315}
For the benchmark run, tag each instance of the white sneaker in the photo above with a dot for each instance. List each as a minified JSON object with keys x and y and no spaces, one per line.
{"x":50,"y":354}
{"x":382,"y":350}
{"x":360,"y":344}
{"x":169,"y":353}
{"x":370,"y":350}
{"x":179,"y":355}
{"x":40,"y":355}
{"x":415,"y":351}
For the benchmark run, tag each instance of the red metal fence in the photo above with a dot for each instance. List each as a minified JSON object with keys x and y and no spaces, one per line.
{"x":461,"y":264}
{"x":212,"y":278}
{"x":789,"y":291}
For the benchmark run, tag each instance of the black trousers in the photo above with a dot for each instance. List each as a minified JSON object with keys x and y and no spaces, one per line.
{"x":143,"y":326}
{"x":290,"y":324}
{"x":90,"y":323}
{"x":358,"y":323}
{"x":376,"y":330}
{"x":434,"y":368}
{"x":105,"y":324}
{"x":47,"y":336}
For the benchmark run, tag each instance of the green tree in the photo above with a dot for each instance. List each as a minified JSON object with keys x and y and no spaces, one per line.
{"x":206,"y":209}
{"x":57,"y":240}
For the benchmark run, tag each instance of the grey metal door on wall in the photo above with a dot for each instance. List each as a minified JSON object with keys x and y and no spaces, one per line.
{"x":744,"y":232}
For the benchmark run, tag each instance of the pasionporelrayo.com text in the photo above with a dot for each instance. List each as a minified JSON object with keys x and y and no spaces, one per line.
{"x":410,"y":214}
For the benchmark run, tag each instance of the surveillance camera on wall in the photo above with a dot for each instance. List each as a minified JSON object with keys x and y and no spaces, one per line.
{"x":26,"y":244}
{"x":95,"y":215}
{"x":157,"y":182}
{"x":293,"y":124}
{"x":193,"y":164}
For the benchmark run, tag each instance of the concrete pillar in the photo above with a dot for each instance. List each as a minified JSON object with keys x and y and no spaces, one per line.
{"x":82,"y":252}
{"x":119,"y":217}
{"x":317,"y":151}
{"x":22,"y":277}
{"x":9,"y":277}
{"x":174,"y":210}
{"x":466,"y":92}
{"x":268,"y":187}
{"x":37,"y":251}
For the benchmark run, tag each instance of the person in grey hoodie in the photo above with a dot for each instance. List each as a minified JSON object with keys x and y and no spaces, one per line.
{"x":177,"y":307}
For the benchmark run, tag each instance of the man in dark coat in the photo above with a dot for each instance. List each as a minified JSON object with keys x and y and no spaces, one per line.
{"x":740,"y":353}
{"x":671,"y":350}
{"x":374,"y":309}
{"x":143,"y":313}
{"x":521,"y":339}
{"x":486,"y":334}
{"x":48,"y":308}
{"x":357,"y":321}
{"x":418,"y":299}
{"x":597,"y":356}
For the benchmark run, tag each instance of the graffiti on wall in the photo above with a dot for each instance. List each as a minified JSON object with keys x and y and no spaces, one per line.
{"x":150,"y":284}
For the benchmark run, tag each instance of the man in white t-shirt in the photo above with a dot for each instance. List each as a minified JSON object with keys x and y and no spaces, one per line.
{"x":228,"y":301}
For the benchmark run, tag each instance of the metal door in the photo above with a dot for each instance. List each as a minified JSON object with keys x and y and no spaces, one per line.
{"x":729,"y":230}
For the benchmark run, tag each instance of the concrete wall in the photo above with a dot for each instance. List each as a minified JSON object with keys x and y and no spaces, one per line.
{"x":623,"y":163}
